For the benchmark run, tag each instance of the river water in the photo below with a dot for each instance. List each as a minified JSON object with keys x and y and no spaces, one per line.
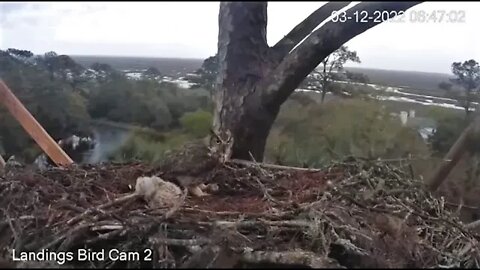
{"x":107,"y":140}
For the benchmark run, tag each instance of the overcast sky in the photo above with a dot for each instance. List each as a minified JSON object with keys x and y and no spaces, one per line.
{"x":190,"y":30}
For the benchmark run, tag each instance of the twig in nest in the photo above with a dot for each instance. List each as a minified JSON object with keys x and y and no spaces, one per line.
{"x":254,"y":223}
{"x":465,"y":250}
{"x":123,"y":199}
{"x":107,"y":227}
{"x":473,"y":225}
{"x":462,"y":206}
{"x":16,"y":219}
{"x":347,"y":244}
{"x":271,"y":166}
{"x":262,"y":186}
{"x":63,"y":236}
{"x":105,"y":236}
{"x":227,"y":234}
{"x":220,"y":213}
{"x":459,"y":207}
{"x":300,"y":257}
{"x":265,"y":192}
{"x":203,"y":258}
{"x":252,"y":157}
{"x":12,"y":228}
{"x":179,"y":242}
{"x":235,"y":213}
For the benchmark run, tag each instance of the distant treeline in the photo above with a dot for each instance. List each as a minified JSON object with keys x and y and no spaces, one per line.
{"x":167,"y":66}
{"x":173,"y":66}
{"x":425,"y":81}
{"x":64,"y":96}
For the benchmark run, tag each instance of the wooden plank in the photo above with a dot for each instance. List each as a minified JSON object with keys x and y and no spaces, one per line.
{"x":32,"y":127}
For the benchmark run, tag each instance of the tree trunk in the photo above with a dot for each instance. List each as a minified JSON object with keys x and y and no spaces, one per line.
{"x":254,"y":80}
{"x":467,"y":109}
{"x":243,"y":61}
{"x":324,"y":93}
{"x":324,"y":80}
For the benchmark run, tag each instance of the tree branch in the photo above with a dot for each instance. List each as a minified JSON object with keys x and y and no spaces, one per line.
{"x":303,"y":29}
{"x":283,"y":80}
{"x":454,"y":155}
{"x":289,"y":258}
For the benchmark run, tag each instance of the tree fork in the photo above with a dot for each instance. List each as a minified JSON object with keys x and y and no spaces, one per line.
{"x":254,"y":80}
{"x":303,"y":29}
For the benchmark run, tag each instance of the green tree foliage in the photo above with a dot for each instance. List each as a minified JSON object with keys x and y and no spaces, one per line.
{"x":63,"y":96}
{"x":136,"y":102}
{"x":151,"y":103}
{"x":449,"y":127}
{"x":104,"y":68}
{"x":207,"y":74}
{"x":49,"y":98}
{"x":151,"y":73}
{"x":360,"y":128}
{"x":447,"y":132}
{"x":357,"y":77}
{"x":197,"y":123}
{"x":143,"y":147}
{"x":467,"y":82}
{"x":49,"y":87}
{"x":322,"y":78}
{"x":315,"y":135}
{"x":21,"y":53}
{"x":445,"y":86}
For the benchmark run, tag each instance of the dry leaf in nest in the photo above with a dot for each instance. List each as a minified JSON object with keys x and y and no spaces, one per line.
{"x":157,"y":192}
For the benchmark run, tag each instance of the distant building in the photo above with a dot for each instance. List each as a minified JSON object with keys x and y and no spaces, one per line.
{"x":411,"y":114}
{"x":403,"y":118}
{"x":424,"y":125}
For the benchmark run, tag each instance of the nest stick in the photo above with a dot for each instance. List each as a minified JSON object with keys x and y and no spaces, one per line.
{"x":271,"y":166}
{"x":105,"y":205}
{"x":299,"y":257}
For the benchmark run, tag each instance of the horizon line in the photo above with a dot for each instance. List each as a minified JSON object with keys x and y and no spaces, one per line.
{"x":202,"y":59}
{"x":136,"y":56}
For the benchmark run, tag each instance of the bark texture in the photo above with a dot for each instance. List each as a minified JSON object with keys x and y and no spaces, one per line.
{"x":243,"y":58}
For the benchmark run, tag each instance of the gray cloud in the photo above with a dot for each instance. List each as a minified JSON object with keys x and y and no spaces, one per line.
{"x":7,"y":8}
{"x":188,"y":29}
{"x":18,"y":14}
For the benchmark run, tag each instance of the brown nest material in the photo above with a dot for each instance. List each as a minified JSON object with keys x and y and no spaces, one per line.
{"x":353,"y":215}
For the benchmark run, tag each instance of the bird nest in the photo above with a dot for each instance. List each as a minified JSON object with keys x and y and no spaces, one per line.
{"x":350,"y":215}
